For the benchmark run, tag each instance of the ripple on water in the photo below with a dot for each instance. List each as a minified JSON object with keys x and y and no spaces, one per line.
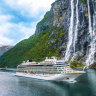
{"x":10,"y":85}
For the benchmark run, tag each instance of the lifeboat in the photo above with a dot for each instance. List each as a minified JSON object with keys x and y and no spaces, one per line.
{"x":29,"y":71}
{"x":32,"y":71}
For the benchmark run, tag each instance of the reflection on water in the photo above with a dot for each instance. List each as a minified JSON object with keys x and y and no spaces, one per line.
{"x":92,"y":81}
{"x":11,"y":85}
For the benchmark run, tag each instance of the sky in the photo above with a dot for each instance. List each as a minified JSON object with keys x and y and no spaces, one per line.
{"x":18,"y":18}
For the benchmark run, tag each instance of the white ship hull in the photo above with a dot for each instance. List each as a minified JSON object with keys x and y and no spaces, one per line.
{"x":55,"y":77}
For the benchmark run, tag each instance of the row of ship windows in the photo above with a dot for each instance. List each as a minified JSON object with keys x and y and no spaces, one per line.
{"x":42,"y":67}
{"x":44,"y":72}
{"x":40,"y":70}
{"x":50,"y":72}
{"x":48,"y":69}
{"x":45,"y":69}
{"x":39,"y":67}
{"x":51,"y":69}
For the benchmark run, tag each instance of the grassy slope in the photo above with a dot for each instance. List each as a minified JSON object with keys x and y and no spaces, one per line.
{"x":37,"y":47}
{"x":75,"y":64}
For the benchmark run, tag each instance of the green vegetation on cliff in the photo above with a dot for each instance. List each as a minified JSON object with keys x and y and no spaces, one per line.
{"x":37,"y":47}
{"x":46,"y":18}
{"x":83,"y":1}
{"x":75,"y":64}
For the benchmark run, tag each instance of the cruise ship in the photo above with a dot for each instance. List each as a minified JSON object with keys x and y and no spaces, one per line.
{"x":49,"y":69}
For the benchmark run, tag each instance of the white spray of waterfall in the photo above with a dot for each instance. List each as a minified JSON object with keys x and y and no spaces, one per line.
{"x":90,"y":58}
{"x":90,"y":24}
{"x":77,"y":23}
{"x":70,"y":33}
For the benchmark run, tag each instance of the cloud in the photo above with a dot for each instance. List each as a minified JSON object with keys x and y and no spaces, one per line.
{"x":27,"y":31}
{"x":4,"y":25}
{"x":30,"y":7}
{"x":4,"y":40}
{"x":4,"y":18}
{"x":18,"y":18}
{"x":24,"y":31}
{"x":11,"y":33}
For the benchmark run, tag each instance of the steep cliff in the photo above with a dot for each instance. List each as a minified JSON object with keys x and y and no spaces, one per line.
{"x":67,"y":31}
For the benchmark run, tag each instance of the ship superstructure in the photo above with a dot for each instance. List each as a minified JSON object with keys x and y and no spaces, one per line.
{"x":49,"y":69}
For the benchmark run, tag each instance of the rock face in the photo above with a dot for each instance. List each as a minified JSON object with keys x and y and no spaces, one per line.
{"x":4,"y":48}
{"x":84,"y":14}
{"x":67,"y":31}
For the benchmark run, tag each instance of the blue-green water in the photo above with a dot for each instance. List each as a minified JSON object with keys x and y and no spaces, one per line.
{"x":10,"y":85}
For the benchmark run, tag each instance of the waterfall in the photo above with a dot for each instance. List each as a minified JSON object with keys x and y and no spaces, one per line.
{"x":70,"y":33}
{"x":90,"y":58}
{"x":76,"y":30}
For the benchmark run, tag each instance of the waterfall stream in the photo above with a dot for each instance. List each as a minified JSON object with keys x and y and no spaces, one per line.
{"x":70,"y":33}
{"x":90,"y":58}
{"x":76,"y":30}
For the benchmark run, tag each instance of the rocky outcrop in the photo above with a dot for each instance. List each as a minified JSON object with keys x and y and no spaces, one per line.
{"x":93,"y":66}
{"x":60,"y":14}
{"x":4,"y":48}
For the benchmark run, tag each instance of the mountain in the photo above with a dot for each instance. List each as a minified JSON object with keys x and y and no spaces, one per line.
{"x":67,"y":31}
{"x":4,"y":48}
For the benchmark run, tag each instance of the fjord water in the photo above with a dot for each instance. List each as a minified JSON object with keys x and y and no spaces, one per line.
{"x":11,"y":85}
